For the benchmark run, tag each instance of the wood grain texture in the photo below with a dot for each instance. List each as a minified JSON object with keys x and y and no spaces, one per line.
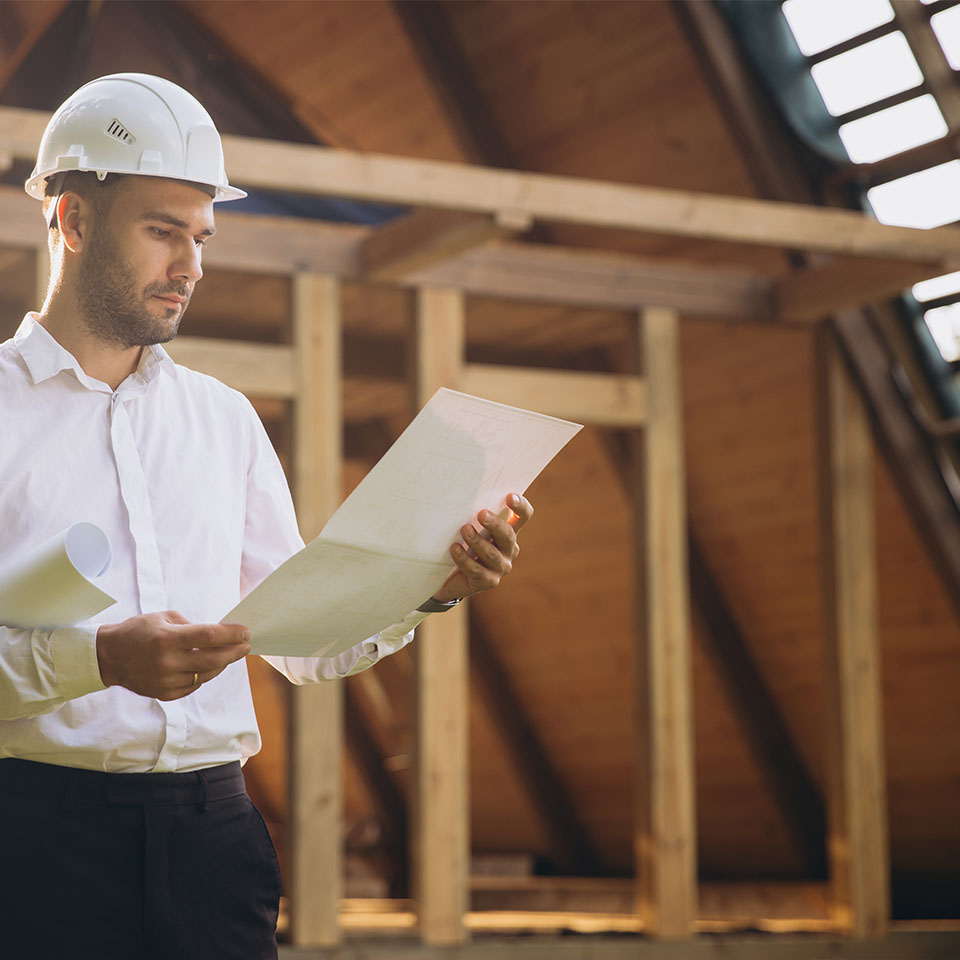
{"x":316,"y":722}
{"x":426,"y":237}
{"x":442,"y":843}
{"x":596,"y":398}
{"x":405,"y":181}
{"x":856,"y":799}
{"x":666,"y":822}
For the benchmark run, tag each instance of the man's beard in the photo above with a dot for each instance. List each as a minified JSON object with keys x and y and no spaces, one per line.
{"x":110,"y":306}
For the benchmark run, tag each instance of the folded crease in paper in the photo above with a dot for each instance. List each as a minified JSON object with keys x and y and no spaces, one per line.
{"x":387,"y":548}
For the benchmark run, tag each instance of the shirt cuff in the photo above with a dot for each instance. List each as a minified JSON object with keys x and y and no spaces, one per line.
{"x":75,"y":663}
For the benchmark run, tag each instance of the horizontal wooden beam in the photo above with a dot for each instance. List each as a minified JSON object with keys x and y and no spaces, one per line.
{"x":302,"y":168}
{"x":606,"y":399}
{"x":905,"y":945}
{"x":594,"y":278}
{"x":284,"y":245}
{"x":256,"y":369}
{"x":811,"y":294}
{"x":429,"y":183}
{"x":426,"y":237}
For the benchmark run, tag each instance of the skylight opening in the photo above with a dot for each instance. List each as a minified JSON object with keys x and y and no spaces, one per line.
{"x":890,"y":131}
{"x":944,"y":326}
{"x":946,"y":25}
{"x":938,"y":287}
{"x":821,"y":24}
{"x":929,"y":198}
{"x":866,"y":74}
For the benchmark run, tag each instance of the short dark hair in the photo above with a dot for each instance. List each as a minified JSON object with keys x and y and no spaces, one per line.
{"x":86,"y":183}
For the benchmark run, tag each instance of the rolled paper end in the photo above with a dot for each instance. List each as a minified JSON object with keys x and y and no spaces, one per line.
{"x":88,"y":549}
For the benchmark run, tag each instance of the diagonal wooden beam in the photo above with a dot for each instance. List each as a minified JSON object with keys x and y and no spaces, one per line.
{"x":914,"y":21}
{"x":761,"y":721}
{"x":446,"y":67}
{"x":921,"y":484}
{"x":902,"y":441}
{"x":809,"y":295}
{"x":42,"y":22}
{"x":574,"y":851}
{"x":748,"y":113}
{"x":388,"y":802}
{"x":758,"y":715}
{"x":425,"y":238}
{"x":253,"y":98}
{"x":444,"y":64}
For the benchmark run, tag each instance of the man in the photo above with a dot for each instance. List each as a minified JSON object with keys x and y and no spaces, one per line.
{"x":128,"y":832}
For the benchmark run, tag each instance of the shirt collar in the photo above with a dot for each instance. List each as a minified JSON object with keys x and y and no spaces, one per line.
{"x":45,"y":357}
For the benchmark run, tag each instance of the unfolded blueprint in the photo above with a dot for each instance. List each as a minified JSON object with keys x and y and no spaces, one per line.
{"x":387,"y":548}
{"x":51,"y":586}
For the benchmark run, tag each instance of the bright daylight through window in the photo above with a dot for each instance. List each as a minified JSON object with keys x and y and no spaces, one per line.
{"x":819,"y":24}
{"x":868,"y":73}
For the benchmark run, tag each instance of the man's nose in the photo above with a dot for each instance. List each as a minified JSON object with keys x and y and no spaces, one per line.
{"x":188,"y":265}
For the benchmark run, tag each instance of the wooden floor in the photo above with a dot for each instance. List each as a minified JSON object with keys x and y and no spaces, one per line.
{"x":901,"y":945}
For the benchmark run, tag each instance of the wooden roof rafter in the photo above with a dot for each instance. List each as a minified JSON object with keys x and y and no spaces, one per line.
{"x":762,"y":724}
{"x":443,"y":63}
{"x":914,"y":21}
{"x":24,"y":42}
{"x":572,"y":847}
{"x":920,"y":479}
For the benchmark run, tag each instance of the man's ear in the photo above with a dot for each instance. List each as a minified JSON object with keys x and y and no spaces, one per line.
{"x":74,"y":216}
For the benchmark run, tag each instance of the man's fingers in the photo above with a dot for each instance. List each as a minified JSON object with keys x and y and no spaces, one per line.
{"x":204,"y":635}
{"x":490,"y":554}
{"x":499,"y":530}
{"x":213,"y":658}
{"x":522,"y":508}
{"x":479,"y":576}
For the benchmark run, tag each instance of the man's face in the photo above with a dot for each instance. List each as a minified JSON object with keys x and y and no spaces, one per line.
{"x":142,"y":260}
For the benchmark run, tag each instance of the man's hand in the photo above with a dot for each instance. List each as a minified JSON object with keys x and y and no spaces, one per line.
{"x":490,"y":554}
{"x":160,"y":654}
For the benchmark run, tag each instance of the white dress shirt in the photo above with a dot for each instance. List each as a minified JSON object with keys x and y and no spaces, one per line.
{"x":177,"y":470}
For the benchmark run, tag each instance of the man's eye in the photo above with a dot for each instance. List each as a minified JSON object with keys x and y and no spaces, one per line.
{"x":200,"y":242}
{"x":158,"y":232}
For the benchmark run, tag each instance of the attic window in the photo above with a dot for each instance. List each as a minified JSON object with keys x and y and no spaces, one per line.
{"x":944,"y":325}
{"x":864,"y":66}
{"x":868,"y":73}
{"x":898,"y":128}
{"x":946,"y":25}
{"x":944,"y":286}
{"x":928,"y":198}
{"x":821,"y":24}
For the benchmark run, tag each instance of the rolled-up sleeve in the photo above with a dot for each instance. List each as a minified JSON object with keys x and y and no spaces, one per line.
{"x":42,"y":669}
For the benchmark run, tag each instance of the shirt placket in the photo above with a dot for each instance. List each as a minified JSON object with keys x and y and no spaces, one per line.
{"x":152,"y":593}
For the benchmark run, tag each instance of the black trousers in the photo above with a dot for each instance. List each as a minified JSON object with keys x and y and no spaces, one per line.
{"x":114,"y":866}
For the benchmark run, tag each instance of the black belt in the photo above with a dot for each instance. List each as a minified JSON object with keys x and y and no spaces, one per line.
{"x":76,"y":786}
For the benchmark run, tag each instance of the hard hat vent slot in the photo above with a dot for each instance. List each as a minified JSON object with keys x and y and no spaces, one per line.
{"x":119,"y":132}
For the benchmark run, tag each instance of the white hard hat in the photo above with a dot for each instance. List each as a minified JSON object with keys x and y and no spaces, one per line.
{"x":133,"y":123}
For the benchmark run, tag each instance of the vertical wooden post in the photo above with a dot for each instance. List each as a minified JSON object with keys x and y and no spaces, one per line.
{"x":441,"y":825}
{"x":857,"y":839}
{"x":665,"y":837}
{"x":316,"y":721}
